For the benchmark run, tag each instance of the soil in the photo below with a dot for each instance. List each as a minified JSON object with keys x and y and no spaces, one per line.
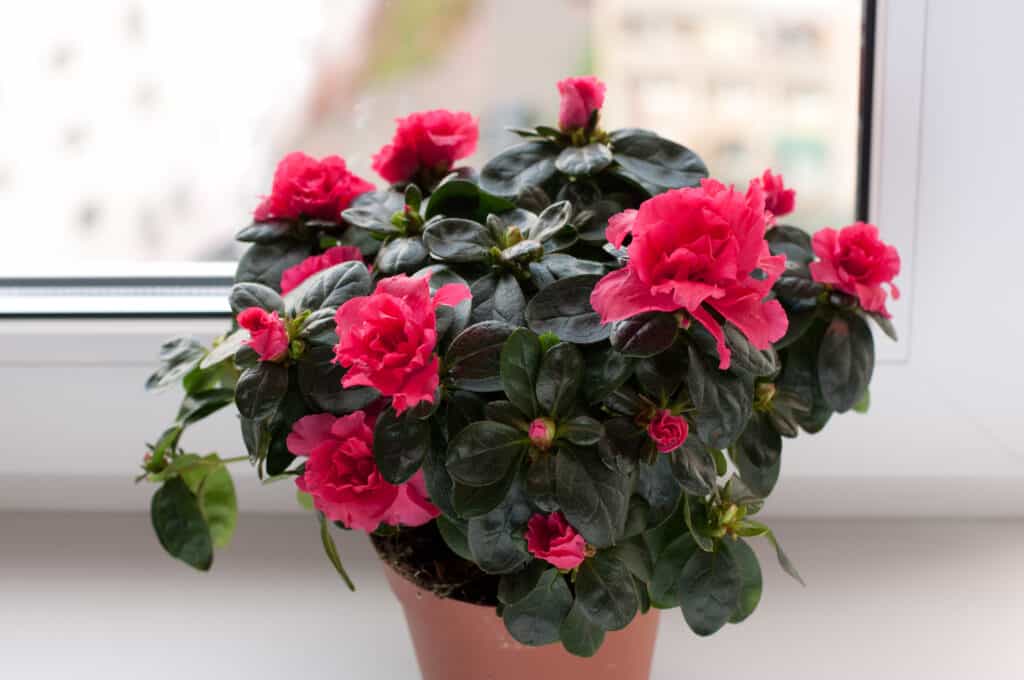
{"x":421,"y":556}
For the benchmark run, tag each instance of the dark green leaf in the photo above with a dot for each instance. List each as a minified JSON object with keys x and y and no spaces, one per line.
{"x":604,"y":371}
{"x":463,"y":408}
{"x":454,"y":535}
{"x":656,"y":485}
{"x":624,"y":445}
{"x":213,"y":488}
{"x":792,"y":242}
{"x":473,"y":501}
{"x":246,"y":295}
{"x":454,"y":239}
{"x":593,"y":498}
{"x":797,"y":287}
{"x":335,"y":286}
{"x":655,"y":161}
{"x":694,"y":467}
{"x":750,"y":578}
{"x":373,"y":210}
{"x":450,"y":320}
{"x":635,"y":555}
{"x":799,"y":322}
{"x":724,"y":402}
{"x":402,"y":256}
{"x":331,"y":550}
{"x":581,"y":430}
{"x":515,"y":586}
{"x":645,"y":335}
{"x":885,"y":324}
{"x":266,"y":232}
{"x":195,"y":407}
{"x":605,"y":592}
{"x":320,"y":382}
{"x":225,"y":347}
{"x":462,"y":198}
{"x":579,"y":635}
{"x":400,"y":443}
{"x":563,"y":308}
{"x":520,"y":361}
{"x":664,"y":584}
{"x":709,"y":590}
{"x":537,"y":618}
{"x":496,"y":538}
{"x":541,"y":481}
{"x":584,"y":160}
{"x":562,"y":266}
{"x":846,"y":361}
{"x":696,"y":517}
{"x":758,"y":455}
{"x":506,"y":412}
{"x":523,"y":165}
{"x":178,"y":356}
{"x":483,"y":452}
{"x":509,"y":303}
{"x":260,"y":390}
{"x":661,"y":375}
{"x":265,"y":262}
{"x":559,"y":379}
{"x":550,"y":222}
{"x":474,"y":357}
{"x":745,"y":357}
{"x":180,"y":526}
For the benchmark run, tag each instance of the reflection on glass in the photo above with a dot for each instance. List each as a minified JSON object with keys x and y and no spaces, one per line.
{"x":143,"y":131}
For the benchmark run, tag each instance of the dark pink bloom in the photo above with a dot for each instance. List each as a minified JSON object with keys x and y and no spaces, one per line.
{"x":668,"y":431}
{"x":386,"y":340}
{"x":343,"y":478}
{"x":856,"y":261}
{"x":778,"y":200}
{"x":542,"y":432}
{"x":697,"y":249}
{"x":552,"y":539}
{"x":580,"y":98}
{"x":431,"y":140}
{"x":267,"y":333}
{"x":293,"y":276}
{"x":307,"y":188}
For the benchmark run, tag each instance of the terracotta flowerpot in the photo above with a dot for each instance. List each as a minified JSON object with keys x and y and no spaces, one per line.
{"x":459,"y":641}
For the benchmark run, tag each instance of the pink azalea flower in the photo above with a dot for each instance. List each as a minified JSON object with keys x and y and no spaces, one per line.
{"x":856,"y":261}
{"x":295,"y":275}
{"x":386,"y":340}
{"x":542,"y":432}
{"x":778,"y":200}
{"x":552,"y":539}
{"x":427,"y":139}
{"x":309,"y":188}
{"x":697,"y":249}
{"x":580,"y":98}
{"x":668,"y":431}
{"x":343,"y":479}
{"x":268,"y":335}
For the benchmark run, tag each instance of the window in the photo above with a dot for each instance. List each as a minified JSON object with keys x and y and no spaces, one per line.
{"x":138,"y":136}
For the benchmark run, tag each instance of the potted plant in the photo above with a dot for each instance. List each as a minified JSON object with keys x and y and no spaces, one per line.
{"x":554,"y":393}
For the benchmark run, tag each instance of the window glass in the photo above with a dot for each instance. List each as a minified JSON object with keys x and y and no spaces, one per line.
{"x":137,"y":132}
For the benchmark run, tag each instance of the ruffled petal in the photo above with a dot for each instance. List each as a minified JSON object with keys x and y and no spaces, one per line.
{"x":309,"y":431}
{"x":451,"y":294}
{"x":619,"y":226}
{"x":621,"y":294}
{"x":762,"y":322}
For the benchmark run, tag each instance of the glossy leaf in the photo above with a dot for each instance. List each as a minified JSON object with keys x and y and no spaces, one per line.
{"x":474,"y":357}
{"x":750,"y":578}
{"x":452,"y":239}
{"x":260,"y":389}
{"x":724,"y":402}
{"x":400,"y":444}
{"x":591,"y":159}
{"x":461,"y":198}
{"x":536,"y":619}
{"x":496,"y":538}
{"x":664,"y":584}
{"x":401,"y":256}
{"x":335,"y":286}
{"x":758,"y":455}
{"x":320,"y":382}
{"x":644,"y":335}
{"x":180,"y":526}
{"x":331,"y":550}
{"x":846,"y":361}
{"x":656,"y":162}
{"x":709,"y":590}
{"x":266,"y":232}
{"x":593,"y":498}
{"x":483,"y":452}
{"x":694,"y":467}
{"x":605,"y":592}
{"x":246,"y":295}
{"x":520,"y":361}
{"x":454,"y":535}
{"x":265,"y":262}
{"x":559,"y":380}
{"x":563,"y":308}
{"x":604,"y":371}
{"x":523,"y":165}
{"x":580,"y":636}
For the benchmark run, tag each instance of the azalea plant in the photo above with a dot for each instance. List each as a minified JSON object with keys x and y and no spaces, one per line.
{"x":566,"y":377}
